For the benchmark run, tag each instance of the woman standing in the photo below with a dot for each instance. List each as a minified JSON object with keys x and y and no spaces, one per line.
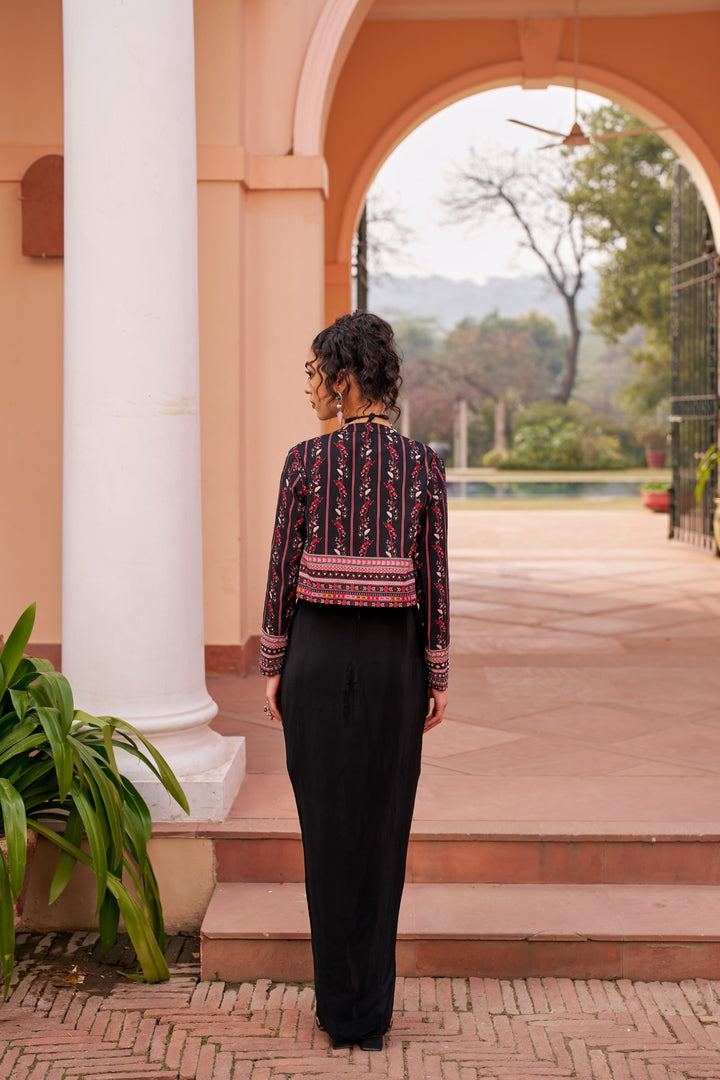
{"x":355,"y":647}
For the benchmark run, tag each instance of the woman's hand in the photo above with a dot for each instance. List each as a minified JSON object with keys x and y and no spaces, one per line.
{"x":272,"y":692}
{"x":437,"y":703}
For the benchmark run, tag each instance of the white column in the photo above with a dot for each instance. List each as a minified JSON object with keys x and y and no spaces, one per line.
{"x":461,"y":435}
{"x":133,"y":641}
{"x":405,"y":417}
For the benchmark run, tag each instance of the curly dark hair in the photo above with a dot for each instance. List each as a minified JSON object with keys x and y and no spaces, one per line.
{"x":364,"y":345}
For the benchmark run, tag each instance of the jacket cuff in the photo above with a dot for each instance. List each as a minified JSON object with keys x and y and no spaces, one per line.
{"x":272,"y":652}
{"x":437,"y":662}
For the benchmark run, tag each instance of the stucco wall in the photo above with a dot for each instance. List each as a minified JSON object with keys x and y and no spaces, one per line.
{"x":30,"y":325}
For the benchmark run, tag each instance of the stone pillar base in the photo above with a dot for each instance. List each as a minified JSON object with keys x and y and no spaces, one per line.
{"x":210,"y":793}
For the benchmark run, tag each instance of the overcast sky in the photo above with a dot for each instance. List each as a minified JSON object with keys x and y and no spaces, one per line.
{"x":416,"y":174}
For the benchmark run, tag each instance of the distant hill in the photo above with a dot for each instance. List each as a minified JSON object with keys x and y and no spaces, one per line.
{"x":450,"y":301}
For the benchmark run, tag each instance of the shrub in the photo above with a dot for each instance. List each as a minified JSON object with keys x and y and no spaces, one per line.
{"x":559,"y":443}
{"x":631,"y":446}
{"x":540,"y":412}
{"x":494,"y":459}
{"x":602,"y":451}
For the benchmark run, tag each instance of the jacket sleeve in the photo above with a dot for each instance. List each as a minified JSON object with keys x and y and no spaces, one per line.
{"x":286,"y":550}
{"x":432,"y":576}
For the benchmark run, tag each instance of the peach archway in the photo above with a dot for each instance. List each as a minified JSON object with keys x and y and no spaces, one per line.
{"x":397,"y":70}
{"x":681,"y":136}
{"x":332,"y":39}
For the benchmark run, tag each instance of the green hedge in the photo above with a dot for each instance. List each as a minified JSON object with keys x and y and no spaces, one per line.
{"x":559,"y":443}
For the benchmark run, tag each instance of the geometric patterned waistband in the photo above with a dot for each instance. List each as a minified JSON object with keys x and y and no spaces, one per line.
{"x":356,"y":580}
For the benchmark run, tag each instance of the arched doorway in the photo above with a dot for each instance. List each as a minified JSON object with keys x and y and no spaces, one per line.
{"x":371,"y":76}
{"x":387,"y":74}
{"x":342,"y":219}
{"x":695,"y":370}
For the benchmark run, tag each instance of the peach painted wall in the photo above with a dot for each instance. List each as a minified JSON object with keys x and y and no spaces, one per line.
{"x":220,"y":97}
{"x":261,"y":287}
{"x":398,"y":73}
{"x":285,"y":294}
{"x":278,"y":34}
{"x":30,"y":324}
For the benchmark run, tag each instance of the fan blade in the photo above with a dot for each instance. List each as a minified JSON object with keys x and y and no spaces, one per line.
{"x":533,"y":127}
{"x":633,"y":131}
{"x":550,"y":146}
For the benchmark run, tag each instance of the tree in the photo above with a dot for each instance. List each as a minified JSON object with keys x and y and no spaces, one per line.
{"x":622,"y":191}
{"x":417,"y":336}
{"x":535,"y":198}
{"x":426,"y":393}
{"x":549,"y":342}
{"x":382,"y":234}
{"x":505,"y":362}
{"x":508,"y":361}
{"x":388,"y":232}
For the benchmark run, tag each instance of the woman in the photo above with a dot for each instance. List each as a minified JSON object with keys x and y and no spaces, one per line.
{"x":355,"y":647}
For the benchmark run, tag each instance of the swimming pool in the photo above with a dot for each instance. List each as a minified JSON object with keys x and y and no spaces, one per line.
{"x":524,"y":489}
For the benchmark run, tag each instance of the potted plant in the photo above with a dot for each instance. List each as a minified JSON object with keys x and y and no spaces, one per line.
{"x":656,"y":497}
{"x":59,"y":779}
{"x":709,"y":461}
{"x":654,"y":439}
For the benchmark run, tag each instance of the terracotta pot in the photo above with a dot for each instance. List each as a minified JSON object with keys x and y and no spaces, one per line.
{"x":655,"y":459}
{"x":659,"y":501}
{"x":716,"y":523}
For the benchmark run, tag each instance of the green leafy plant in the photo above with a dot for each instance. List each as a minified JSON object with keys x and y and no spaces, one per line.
{"x":493,"y":459}
{"x":59,"y":777}
{"x":557,"y":443}
{"x":709,"y":461}
{"x":654,"y":486}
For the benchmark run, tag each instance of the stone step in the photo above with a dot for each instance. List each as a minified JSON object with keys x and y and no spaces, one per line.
{"x":261,"y":930}
{"x":471,"y":855}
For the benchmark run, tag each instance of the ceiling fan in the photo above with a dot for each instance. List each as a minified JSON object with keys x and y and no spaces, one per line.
{"x":576,"y":136}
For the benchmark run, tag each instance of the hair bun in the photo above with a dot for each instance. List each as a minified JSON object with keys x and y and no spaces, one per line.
{"x":364,"y":345}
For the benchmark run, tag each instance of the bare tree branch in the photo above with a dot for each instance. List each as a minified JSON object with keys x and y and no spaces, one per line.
{"x":388,"y":233}
{"x":533,"y":197}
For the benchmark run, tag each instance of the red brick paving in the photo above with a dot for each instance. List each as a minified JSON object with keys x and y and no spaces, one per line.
{"x":72,"y":1015}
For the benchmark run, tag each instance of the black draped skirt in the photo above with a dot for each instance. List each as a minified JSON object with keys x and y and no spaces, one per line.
{"x":354,"y":698}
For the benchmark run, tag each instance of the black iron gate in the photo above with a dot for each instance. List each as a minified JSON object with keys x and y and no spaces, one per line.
{"x":360,"y":263}
{"x":695,"y":360}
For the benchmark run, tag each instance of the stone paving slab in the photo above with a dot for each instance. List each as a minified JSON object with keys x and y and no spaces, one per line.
{"x":74,"y":1014}
{"x":584,"y":685}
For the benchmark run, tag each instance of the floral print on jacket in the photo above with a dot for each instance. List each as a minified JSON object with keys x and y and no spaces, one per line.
{"x":361,"y":520}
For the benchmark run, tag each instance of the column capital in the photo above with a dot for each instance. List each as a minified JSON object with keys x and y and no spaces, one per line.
{"x":262,"y":172}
